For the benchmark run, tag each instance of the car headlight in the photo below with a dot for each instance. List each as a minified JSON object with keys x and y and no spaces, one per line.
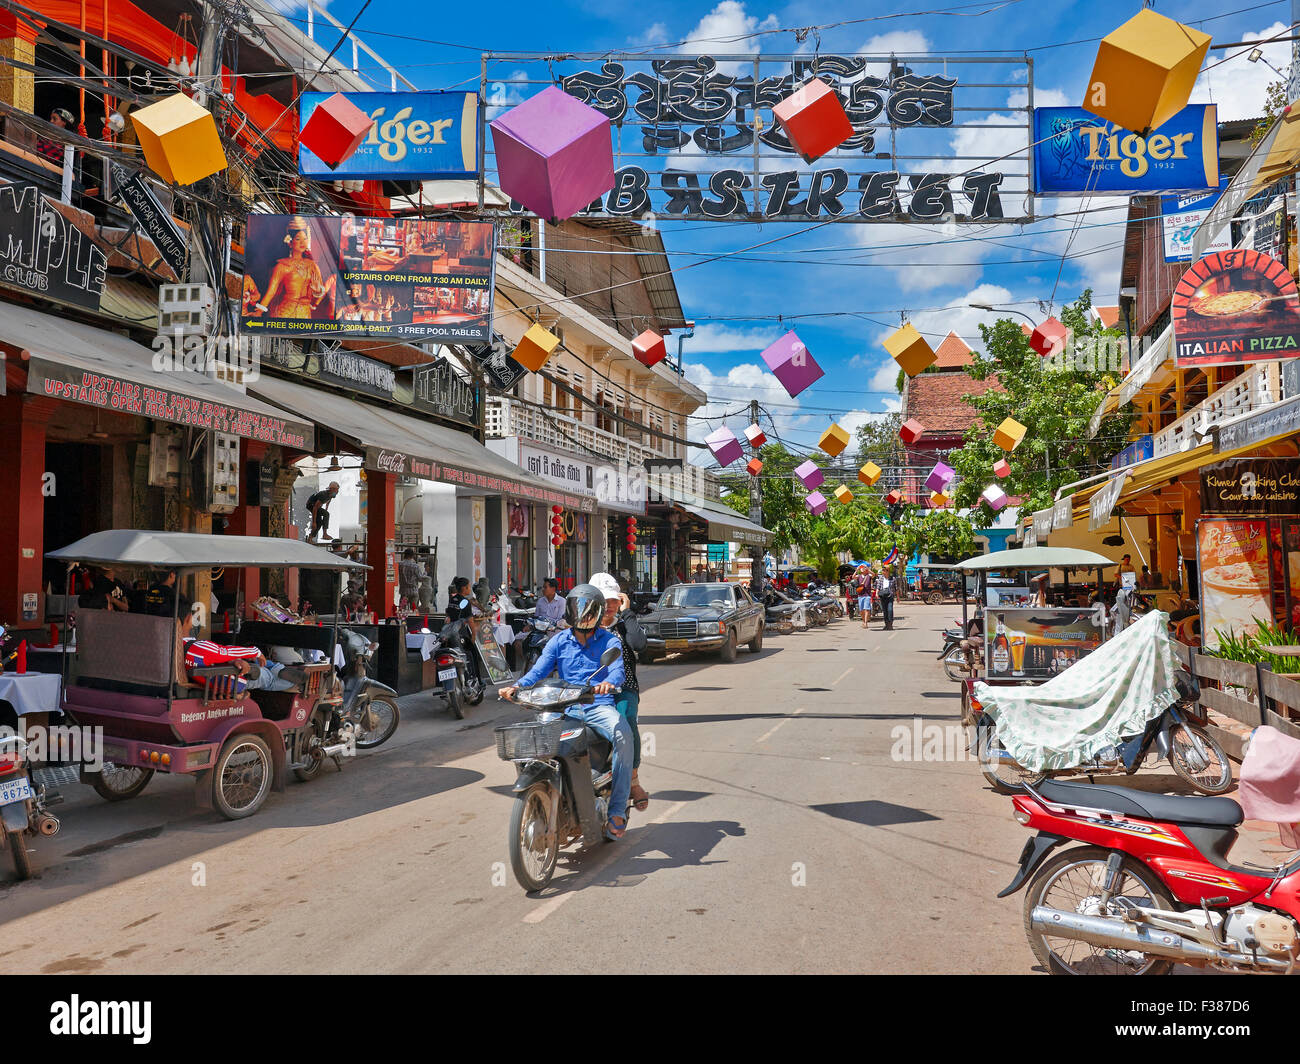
{"x":651,"y":627}
{"x":710,"y":627}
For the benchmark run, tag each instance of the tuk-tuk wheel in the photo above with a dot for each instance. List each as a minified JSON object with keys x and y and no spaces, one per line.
{"x":242,"y":776}
{"x":935,"y":598}
{"x":117,"y":783}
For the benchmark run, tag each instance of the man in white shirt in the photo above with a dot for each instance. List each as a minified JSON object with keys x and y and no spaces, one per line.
{"x":550,"y":607}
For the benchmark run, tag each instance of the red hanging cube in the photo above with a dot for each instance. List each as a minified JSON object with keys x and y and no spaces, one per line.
{"x":649,"y":348}
{"x":813,"y":118}
{"x":894,"y":497}
{"x":335,"y":129}
{"x":1002,"y":467}
{"x":1049,"y":338}
{"x":911,"y":431}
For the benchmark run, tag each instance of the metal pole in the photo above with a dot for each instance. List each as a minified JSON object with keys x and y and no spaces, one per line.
{"x":755,"y":503}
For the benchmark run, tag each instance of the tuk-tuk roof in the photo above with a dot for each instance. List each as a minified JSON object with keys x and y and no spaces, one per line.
{"x":195,"y":550}
{"x":1037,"y":558}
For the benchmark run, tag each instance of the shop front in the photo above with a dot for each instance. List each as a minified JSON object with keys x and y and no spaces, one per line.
{"x":688,"y":529}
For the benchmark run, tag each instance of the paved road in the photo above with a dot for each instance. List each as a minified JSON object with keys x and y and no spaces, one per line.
{"x":783,"y":837}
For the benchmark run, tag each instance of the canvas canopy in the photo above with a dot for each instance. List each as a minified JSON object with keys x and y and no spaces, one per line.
{"x":193,"y":550}
{"x":1036,"y":558}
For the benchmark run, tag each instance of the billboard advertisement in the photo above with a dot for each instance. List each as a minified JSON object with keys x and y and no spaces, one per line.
{"x":1233,"y":307}
{"x":1233,"y":566}
{"x":415,"y":135}
{"x":409,"y":279}
{"x":1181,"y":216}
{"x":1038,"y":643}
{"x":1075,"y":151}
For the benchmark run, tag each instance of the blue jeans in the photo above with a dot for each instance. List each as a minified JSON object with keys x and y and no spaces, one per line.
{"x":606,"y":721}
{"x":887,"y":605}
{"x":267,"y":678}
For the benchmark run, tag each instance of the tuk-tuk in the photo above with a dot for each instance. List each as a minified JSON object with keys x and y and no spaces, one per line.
{"x":131,"y":680}
{"x":936,"y":584}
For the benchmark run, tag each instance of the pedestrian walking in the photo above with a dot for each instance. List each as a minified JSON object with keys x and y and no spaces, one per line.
{"x":884,"y":587}
{"x":862,"y":585}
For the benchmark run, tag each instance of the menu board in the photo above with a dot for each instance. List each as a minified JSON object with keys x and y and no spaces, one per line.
{"x":1037,"y":644}
{"x":1233,"y":566}
{"x":494,"y":659}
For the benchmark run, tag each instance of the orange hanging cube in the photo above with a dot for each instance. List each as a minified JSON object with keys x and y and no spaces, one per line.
{"x":753,"y":467}
{"x":908,"y":348}
{"x":649,"y":348}
{"x":179,"y":140}
{"x":938,"y":499}
{"x":335,"y":129}
{"x":814,"y":120}
{"x":1145,"y":71}
{"x":833,"y":440}
{"x":1049,"y":338}
{"x":894,"y":497}
{"x":535,"y":348}
{"x":843,"y":494}
{"x":869,"y":473}
{"x":911,"y":431}
{"x":1009,"y":434}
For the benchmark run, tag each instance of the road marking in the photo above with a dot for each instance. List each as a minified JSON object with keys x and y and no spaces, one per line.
{"x":892,"y":634}
{"x":772,"y":730}
{"x":841,"y":676}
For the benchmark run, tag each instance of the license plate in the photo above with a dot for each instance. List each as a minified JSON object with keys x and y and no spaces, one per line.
{"x":677,"y":644}
{"x":446,"y":674}
{"x":15,"y":790}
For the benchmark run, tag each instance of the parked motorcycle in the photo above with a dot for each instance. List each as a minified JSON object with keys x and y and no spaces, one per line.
{"x":540,"y":633}
{"x":459,"y":672}
{"x":23,"y":803}
{"x":565,"y":778}
{"x":784,"y":614}
{"x":369,"y":704}
{"x":962,"y":652}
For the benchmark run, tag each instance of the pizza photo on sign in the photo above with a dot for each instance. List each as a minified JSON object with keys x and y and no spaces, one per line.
{"x":1234,"y":307}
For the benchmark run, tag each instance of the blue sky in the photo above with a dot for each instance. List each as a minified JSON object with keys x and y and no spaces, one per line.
{"x":850,"y":283}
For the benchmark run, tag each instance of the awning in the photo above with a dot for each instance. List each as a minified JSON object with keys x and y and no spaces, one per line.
{"x":194,"y":550}
{"x":1036,"y":558}
{"x":397,"y":443}
{"x":83,"y":364}
{"x":725,"y":524}
{"x":1139,"y":375}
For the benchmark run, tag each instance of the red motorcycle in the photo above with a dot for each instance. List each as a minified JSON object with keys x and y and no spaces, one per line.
{"x":1151,"y":885}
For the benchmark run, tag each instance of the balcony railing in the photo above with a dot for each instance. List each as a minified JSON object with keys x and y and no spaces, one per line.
{"x":1253,"y":390}
{"x":505,"y":417}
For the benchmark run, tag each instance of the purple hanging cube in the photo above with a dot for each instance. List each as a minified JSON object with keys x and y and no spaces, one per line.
{"x":995,"y":497}
{"x":940,"y":477}
{"x":792,"y":363}
{"x":816,"y":503}
{"x":810,"y":474}
{"x":724,"y":445}
{"x":554,"y":154}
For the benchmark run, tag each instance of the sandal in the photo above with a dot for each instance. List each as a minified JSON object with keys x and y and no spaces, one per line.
{"x":612,"y":832}
{"x":640,"y":798}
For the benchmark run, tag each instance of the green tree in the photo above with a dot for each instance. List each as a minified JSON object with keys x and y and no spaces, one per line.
{"x":878,"y":441}
{"x":1054,"y":404}
{"x":1274,"y":102}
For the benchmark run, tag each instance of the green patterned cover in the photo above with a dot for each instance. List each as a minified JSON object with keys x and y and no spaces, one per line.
{"x":1100,"y":700}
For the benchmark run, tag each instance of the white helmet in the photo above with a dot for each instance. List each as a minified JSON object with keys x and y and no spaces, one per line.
{"x":607,"y":585}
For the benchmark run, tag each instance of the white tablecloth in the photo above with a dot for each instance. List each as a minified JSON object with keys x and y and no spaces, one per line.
{"x":424,"y":642}
{"x":32,"y":692}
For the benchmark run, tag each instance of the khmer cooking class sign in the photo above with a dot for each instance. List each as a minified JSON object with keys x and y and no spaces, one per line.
{"x":695,"y":137}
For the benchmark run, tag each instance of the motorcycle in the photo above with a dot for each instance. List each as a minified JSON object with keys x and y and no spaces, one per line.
{"x":540,"y":633}
{"x":369,"y":704}
{"x":962,"y":654}
{"x":1149,"y":886}
{"x":23,"y":802}
{"x":458,"y":669}
{"x":565,"y":777}
{"x":783,"y":614}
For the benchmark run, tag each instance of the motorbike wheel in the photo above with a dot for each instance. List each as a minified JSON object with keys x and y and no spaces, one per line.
{"x":1004,"y":776}
{"x":22,"y":859}
{"x":386,"y":718}
{"x":935,"y":598}
{"x":117,"y":783}
{"x":534,"y":842}
{"x":242,"y":776}
{"x":1215,"y":777}
{"x":316,"y":762}
{"x":1071,"y":881}
{"x":456,"y":702}
{"x":954,"y":665}
{"x":474,"y":691}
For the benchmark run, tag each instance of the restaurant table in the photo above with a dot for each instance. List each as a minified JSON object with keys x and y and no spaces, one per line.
{"x":34,"y":697}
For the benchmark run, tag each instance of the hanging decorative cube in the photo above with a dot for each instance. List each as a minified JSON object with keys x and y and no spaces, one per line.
{"x":1009,"y":434}
{"x":649,"y":348}
{"x":810,"y":474}
{"x":995,"y":497}
{"x":816,"y":503}
{"x":554,"y":154}
{"x":869,"y":473}
{"x":940,"y":476}
{"x":1002,"y":467}
{"x":843,"y":494}
{"x":724,"y":445}
{"x":833,"y":440}
{"x":792,"y":363}
{"x":179,"y":140}
{"x":535,"y":348}
{"x":813,"y":119}
{"x":1145,"y":71}
{"x":755,"y":436}
{"x":938,"y":499}
{"x":908,"y":348}
{"x":335,"y":129}
{"x":1049,"y":338}
{"x":754,"y":467}
{"x":911,"y":431}
{"x":894,"y":497}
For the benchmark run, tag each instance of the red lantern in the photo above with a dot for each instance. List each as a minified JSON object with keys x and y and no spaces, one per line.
{"x":556,"y":541}
{"x":557,"y":509}
{"x":1049,"y":338}
{"x":335,"y":130}
{"x":813,"y":119}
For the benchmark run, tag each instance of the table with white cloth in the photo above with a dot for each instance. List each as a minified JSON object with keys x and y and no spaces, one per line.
{"x":31,"y":693}
{"x":424,"y":642}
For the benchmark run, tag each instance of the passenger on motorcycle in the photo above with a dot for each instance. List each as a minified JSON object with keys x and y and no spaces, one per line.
{"x":620,"y":620}
{"x":575,"y":653}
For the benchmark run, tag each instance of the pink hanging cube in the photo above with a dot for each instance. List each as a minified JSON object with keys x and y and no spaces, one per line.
{"x":940,"y":477}
{"x":554,"y":154}
{"x":995,"y":497}
{"x":753,"y":467}
{"x":1002,"y":467}
{"x":649,"y":348}
{"x":1049,"y":338}
{"x":755,"y":436}
{"x":792,"y":363}
{"x":816,"y":503}
{"x":724,"y":445}
{"x":911,"y":431}
{"x":813,"y":119}
{"x":810,"y":474}
{"x":335,"y":129}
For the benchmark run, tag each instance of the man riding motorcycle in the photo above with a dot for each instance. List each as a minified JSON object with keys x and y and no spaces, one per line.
{"x":575,"y":653}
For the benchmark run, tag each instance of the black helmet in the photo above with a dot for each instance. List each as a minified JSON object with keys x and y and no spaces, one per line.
{"x":583,"y":607}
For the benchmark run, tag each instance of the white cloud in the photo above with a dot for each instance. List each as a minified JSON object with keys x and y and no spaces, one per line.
{"x":1239,"y":86}
{"x":963,"y":319}
{"x":729,"y":391}
{"x":721,"y":339}
{"x":897,"y":42}
{"x":656,"y":34}
{"x":726,"y":29}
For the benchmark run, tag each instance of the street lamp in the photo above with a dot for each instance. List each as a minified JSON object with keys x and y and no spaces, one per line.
{"x":1001,"y":308}
{"x":1257,"y":54}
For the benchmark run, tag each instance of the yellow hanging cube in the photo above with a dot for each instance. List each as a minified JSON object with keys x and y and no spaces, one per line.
{"x":908,"y":348}
{"x":833,"y":440}
{"x":869,"y":473}
{"x":939,"y":499}
{"x":1009,"y":434}
{"x":535,"y":348}
{"x":1145,"y":71}
{"x":843,"y":494}
{"x":179,"y":140}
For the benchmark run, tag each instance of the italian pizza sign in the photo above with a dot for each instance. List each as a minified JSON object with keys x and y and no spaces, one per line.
{"x":1235,"y":307}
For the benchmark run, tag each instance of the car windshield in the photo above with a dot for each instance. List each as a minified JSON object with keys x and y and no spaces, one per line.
{"x":697,"y":595}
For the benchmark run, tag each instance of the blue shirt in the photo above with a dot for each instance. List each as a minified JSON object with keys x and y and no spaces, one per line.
{"x":576,"y":662}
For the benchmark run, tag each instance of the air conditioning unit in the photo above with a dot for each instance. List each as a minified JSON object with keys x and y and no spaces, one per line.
{"x":185,"y":308}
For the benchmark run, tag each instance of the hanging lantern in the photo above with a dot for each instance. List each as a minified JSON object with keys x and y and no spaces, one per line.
{"x":995,"y":497}
{"x":755,"y":436}
{"x":557,"y":509}
{"x":649,"y":348}
{"x":554,"y":154}
{"x":816,"y":503}
{"x":894,"y":497}
{"x":792,"y":363}
{"x":843,"y":494}
{"x":869,"y":473}
{"x":911,"y":431}
{"x":1009,"y":434}
{"x":754,"y":467}
{"x":1002,"y":467}
{"x":810,"y":474}
{"x":535,"y":348}
{"x":724,"y":445}
{"x":940,"y":477}
{"x":556,"y":541}
{"x":813,"y":119}
{"x":335,"y":130}
{"x":1049,"y":338}
{"x":908,"y":348}
{"x":938,"y":499}
{"x":179,"y":140}
{"x":833,"y":440}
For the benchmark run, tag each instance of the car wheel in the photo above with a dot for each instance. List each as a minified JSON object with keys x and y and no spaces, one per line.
{"x":728,"y":651}
{"x":756,"y":644}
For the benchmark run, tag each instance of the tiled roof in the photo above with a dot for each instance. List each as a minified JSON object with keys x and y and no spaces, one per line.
{"x":953,"y":353}
{"x":935,"y":400}
{"x":1108,"y":316}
